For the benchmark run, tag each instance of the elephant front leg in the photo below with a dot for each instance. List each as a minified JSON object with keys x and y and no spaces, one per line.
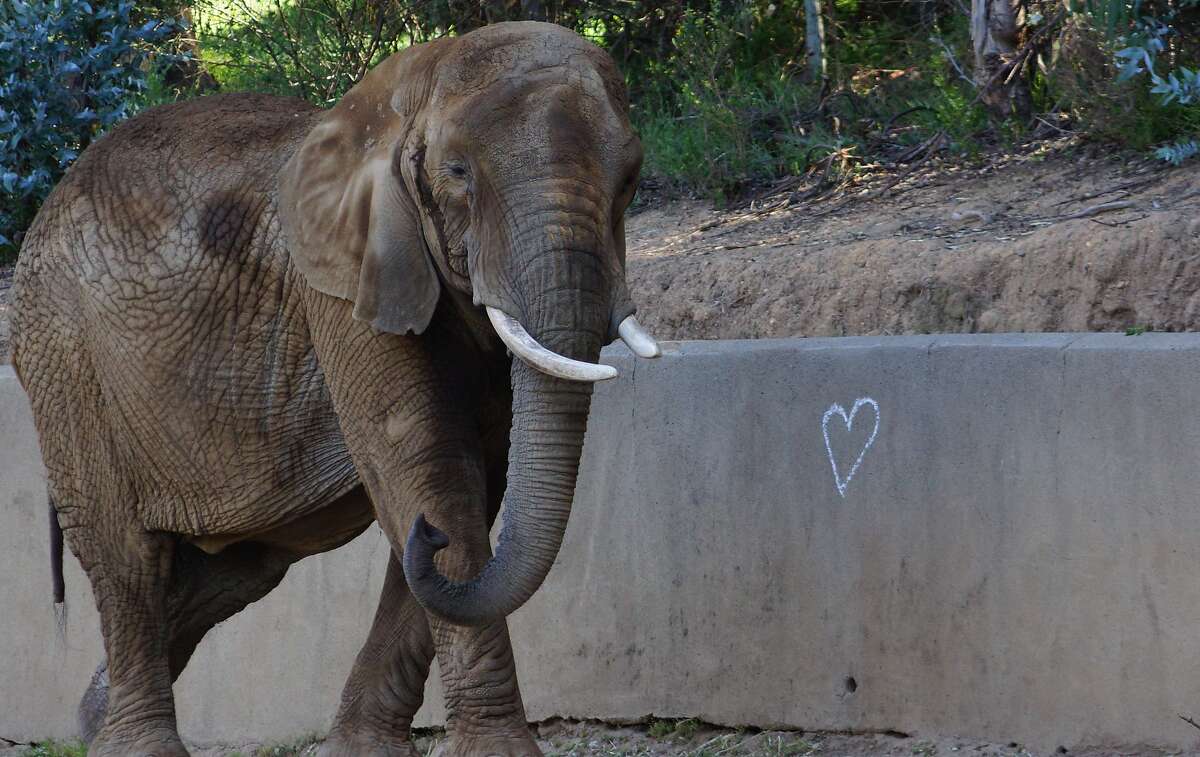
{"x":407,"y":407}
{"x":387,"y":684}
{"x":485,"y":715}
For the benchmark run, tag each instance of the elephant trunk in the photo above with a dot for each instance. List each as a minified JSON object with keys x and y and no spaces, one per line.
{"x":549,"y":420}
{"x":568,"y":313}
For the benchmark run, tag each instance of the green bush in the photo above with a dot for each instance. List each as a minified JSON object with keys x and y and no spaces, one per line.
{"x":734,"y":109}
{"x":56,"y":749}
{"x":314,"y":49}
{"x":68,"y":71}
{"x":317,"y":49}
{"x":1131,"y":74}
{"x":720,"y":93}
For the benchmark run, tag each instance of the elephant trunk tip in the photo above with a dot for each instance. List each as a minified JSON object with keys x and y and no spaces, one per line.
{"x":428,"y":586}
{"x":464,"y":604}
{"x":424,"y":540}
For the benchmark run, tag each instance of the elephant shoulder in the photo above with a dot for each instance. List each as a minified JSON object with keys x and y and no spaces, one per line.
{"x":179,"y":184}
{"x":195,"y":146}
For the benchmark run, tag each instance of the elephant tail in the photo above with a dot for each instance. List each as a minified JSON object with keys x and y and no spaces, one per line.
{"x":56,"y":557}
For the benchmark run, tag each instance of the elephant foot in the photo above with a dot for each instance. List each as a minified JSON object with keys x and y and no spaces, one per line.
{"x":365,"y":744}
{"x":159,"y":742}
{"x":488,"y":746}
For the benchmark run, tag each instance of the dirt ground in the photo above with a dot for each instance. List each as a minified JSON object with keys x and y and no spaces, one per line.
{"x":1054,"y":237}
{"x":687,"y":738}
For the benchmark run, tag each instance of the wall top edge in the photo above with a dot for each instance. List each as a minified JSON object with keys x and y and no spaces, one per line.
{"x":1070,"y":341}
{"x":1040,"y":341}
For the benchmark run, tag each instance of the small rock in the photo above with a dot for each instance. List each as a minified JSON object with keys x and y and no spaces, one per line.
{"x":886,"y":228}
{"x":971,"y":217}
{"x":988,"y":321}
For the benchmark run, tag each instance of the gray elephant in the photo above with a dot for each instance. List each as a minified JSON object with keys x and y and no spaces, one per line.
{"x":249,"y":328}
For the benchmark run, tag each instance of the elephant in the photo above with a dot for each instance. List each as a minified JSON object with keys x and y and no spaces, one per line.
{"x":249,"y":328}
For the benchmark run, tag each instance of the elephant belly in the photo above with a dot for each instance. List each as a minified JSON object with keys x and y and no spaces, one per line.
{"x":310,"y":533}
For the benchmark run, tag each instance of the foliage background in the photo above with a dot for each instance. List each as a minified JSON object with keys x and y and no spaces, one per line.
{"x":68,"y":71}
{"x":719,"y":88}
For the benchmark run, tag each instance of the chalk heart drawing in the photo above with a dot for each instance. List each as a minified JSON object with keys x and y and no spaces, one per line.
{"x":848,"y":419}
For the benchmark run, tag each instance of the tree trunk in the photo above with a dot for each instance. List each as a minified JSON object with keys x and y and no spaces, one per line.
{"x":532,"y":10}
{"x":814,"y":40}
{"x":187,"y":72}
{"x":996,"y":27}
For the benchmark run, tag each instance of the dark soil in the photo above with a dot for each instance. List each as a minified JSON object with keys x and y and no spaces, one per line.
{"x":1055,"y":239}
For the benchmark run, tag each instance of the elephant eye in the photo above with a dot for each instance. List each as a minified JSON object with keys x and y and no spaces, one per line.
{"x":457,"y":170}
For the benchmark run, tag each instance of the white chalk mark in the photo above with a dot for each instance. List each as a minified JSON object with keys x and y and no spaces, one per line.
{"x":836,"y":409}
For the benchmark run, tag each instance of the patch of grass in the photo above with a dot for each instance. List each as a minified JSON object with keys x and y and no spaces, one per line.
{"x":56,"y":749}
{"x":661,"y":729}
{"x":303,"y":745}
{"x":584,"y":747}
{"x":1136,"y":330}
{"x":784,"y":746}
{"x":686,"y":729}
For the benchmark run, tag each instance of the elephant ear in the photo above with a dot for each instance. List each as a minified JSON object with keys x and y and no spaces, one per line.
{"x":351,"y":227}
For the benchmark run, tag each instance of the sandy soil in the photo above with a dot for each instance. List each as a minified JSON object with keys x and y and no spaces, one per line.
{"x":574,"y":739}
{"x":1050,"y":240}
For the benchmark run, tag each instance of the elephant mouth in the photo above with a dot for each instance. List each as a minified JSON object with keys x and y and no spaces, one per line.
{"x":533,"y":354}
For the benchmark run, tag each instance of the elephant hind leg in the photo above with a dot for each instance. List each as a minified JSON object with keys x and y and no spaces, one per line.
{"x":203,"y":590}
{"x":130,"y":575}
{"x":208,"y":589}
{"x":387,"y":684}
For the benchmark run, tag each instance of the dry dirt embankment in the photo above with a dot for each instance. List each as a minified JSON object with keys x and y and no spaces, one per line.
{"x":1046,"y":242}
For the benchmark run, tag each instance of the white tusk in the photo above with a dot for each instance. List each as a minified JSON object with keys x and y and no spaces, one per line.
{"x":517,"y":339}
{"x":636,"y":339}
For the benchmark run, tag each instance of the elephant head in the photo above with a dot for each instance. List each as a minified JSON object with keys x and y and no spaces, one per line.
{"x":496,"y":166}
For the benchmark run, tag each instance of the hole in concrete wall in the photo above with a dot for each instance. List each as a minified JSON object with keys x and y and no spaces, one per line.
{"x":851,"y":684}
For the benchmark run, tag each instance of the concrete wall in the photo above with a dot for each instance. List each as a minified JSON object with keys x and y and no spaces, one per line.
{"x":1016,"y":556}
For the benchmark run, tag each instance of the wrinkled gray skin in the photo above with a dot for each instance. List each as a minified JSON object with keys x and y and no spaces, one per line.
{"x":249,"y":328}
